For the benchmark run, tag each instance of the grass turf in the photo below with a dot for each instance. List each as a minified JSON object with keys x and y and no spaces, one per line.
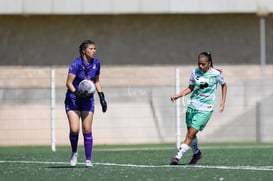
{"x":221,"y":161}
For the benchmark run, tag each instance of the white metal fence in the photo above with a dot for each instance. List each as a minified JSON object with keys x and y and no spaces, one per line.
{"x":140,"y":110}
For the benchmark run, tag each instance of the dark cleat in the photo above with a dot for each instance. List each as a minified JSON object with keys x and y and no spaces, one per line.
{"x":196,"y":157}
{"x":174,"y":161}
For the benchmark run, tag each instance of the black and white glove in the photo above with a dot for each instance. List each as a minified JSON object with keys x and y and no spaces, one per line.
{"x":81,"y":96}
{"x":103,"y":102}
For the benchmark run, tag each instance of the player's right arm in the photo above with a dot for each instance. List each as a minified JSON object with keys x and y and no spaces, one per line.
{"x":188,"y":90}
{"x":71,"y":76}
{"x":185,"y":92}
{"x":69,"y":82}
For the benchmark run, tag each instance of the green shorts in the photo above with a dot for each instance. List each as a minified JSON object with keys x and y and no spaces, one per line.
{"x":197,"y":119}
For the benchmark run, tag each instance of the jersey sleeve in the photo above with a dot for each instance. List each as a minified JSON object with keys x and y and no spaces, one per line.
{"x":192,"y":79}
{"x":98,"y":69}
{"x":73,"y":68}
{"x":220,"y":79}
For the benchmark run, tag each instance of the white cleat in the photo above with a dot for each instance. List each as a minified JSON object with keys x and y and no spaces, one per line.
{"x":88,"y":164}
{"x":74,"y":159}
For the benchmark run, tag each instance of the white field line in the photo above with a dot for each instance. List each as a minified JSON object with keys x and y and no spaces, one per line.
{"x":174,"y":148}
{"x":252,"y":168}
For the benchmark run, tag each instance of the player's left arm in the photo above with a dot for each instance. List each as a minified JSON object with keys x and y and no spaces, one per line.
{"x":101,"y":94}
{"x":220,"y":79}
{"x":224,"y":94}
{"x":98,"y":84}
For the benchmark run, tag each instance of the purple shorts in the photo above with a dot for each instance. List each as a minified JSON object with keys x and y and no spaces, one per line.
{"x":79,"y":104}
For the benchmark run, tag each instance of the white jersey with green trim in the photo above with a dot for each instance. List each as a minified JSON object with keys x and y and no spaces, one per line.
{"x":205,"y":86}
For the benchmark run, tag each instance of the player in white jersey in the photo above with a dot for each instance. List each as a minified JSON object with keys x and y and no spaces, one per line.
{"x":202,"y":87}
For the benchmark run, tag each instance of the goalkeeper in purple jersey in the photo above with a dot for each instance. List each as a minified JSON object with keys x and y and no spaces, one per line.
{"x":80,"y":106}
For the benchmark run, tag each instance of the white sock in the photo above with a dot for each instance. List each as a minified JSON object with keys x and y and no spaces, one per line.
{"x":183,"y":149}
{"x":194,"y":145}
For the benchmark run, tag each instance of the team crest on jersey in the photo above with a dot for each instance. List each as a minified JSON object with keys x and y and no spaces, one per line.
{"x":211,"y":79}
{"x":94,"y":66}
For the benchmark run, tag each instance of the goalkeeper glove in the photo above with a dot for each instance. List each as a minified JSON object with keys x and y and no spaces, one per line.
{"x":103,"y":102}
{"x":81,"y":96}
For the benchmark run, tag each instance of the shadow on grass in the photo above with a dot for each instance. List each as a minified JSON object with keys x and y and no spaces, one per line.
{"x":67,"y":166}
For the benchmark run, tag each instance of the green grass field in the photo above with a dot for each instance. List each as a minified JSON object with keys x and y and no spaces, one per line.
{"x":226,"y":161}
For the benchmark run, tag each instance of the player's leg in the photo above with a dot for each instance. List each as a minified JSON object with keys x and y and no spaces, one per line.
{"x":191,"y":134}
{"x":87,"y":120}
{"x":199,"y":122}
{"x":197,"y":155}
{"x":74,"y":125}
{"x":194,"y":145}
